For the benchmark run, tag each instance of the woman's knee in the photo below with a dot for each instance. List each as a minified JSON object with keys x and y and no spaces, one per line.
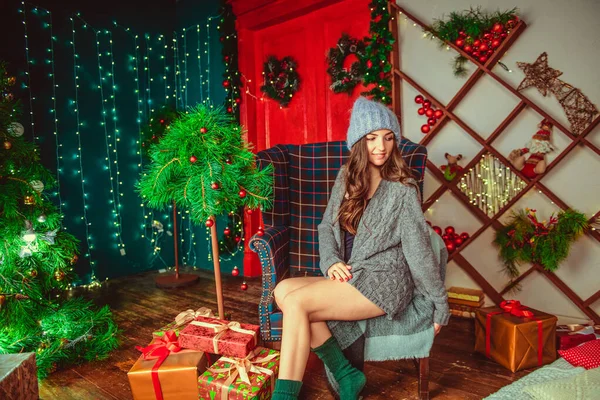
{"x":281,"y":291}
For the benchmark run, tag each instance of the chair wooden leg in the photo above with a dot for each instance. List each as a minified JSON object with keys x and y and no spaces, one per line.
{"x":424,"y":378}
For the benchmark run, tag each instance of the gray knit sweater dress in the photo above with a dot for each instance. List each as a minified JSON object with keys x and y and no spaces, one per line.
{"x":392,"y":255}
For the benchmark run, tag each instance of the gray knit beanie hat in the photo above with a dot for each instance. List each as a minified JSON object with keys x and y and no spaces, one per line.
{"x":368,"y":116}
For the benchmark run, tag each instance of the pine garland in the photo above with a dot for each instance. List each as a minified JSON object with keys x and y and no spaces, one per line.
{"x":281,"y":79}
{"x":37,"y":260}
{"x":344,"y":80}
{"x":232,"y":81}
{"x":203,"y":164}
{"x":377,"y":53}
{"x":526,"y":240}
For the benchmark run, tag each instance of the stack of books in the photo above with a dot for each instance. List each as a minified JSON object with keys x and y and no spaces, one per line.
{"x":464,"y":302}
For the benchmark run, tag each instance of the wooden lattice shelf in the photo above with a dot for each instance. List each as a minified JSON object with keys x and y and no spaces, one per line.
{"x":483,"y":213}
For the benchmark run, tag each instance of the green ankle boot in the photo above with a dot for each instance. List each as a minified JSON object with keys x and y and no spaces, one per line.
{"x":286,"y":390}
{"x":350,"y":379}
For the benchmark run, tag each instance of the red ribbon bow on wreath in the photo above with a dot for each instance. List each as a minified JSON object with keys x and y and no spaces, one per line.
{"x":159,"y":350}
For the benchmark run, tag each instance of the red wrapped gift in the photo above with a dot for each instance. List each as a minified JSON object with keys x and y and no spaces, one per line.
{"x":249,"y":378}
{"x":217,"y":336}
{"x":566,"y":340}
{"x":182,"y":319}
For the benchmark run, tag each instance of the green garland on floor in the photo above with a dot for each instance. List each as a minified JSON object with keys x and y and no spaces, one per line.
{"x":377,"y":53}
{"x":526,"y":240}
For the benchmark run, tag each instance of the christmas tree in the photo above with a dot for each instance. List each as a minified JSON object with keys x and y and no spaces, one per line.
{"x":37,"y":259}
{"x":203,"y":164}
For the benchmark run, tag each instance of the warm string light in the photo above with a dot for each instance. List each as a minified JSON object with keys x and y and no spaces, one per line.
{"x":93,"y":279}
{"x":163,"y":57}
{"x":177,"y":72}
{"x":185,"y":69}
{"x":490,"y":185}
{"x":247,"y":91}
{"x":199,"y":62}
{"x":207,"y":52}
{"x":149,"y":78}
{"x":28,"y":62}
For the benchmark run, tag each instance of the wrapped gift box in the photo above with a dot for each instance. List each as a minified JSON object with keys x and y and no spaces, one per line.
{"x":177,"y":376}
{"x":18,"y":377}
{"x":515,"y":336}
{"x":182,"y":320}
{"x":250,"y":378}
{"x":567,"y":339}
{"x":213,"y":335}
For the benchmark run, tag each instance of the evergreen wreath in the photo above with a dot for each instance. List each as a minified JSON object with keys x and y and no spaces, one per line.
{"x":281,"y":79}
{"x":342,"y":79}
{"x":525,"y":239}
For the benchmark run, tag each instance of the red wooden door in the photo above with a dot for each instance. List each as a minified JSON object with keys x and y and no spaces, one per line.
{"x":304,"y":30}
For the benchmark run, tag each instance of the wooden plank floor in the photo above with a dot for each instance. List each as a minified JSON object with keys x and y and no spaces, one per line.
{"x":139,"y":307}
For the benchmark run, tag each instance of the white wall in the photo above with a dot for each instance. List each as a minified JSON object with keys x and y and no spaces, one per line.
{"x":568,"y":32}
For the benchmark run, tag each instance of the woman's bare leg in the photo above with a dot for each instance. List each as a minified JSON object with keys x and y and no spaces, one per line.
{"x":320,"y":301}
{"x":319,"y":332}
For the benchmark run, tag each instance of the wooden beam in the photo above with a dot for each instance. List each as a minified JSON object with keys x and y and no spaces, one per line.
{"x":477,"y":277}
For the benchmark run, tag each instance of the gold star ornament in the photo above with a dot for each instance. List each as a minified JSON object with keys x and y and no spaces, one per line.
{"x":538,"y":74}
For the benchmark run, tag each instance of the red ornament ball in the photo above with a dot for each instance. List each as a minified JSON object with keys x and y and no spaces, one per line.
{"x":421,"y":111}
{"x":496,"y":43}
{"x":445,"y":237}
{"x":483,"y":47}
{"x":242,"y":193}
{"x":237,"y":239}
{"x":426,"y":104}
{"x":462,"y":34}
{"x":503,"y":35}
{"x":214,"y":186}
{"x":209,"y":223}
{"x":437,"y":230}
{"x":487,"y":36}
{"x":235,"y":271}
{"x":477,"y":43}
{"x":419,"y":99}
{"x":162,"y":121}
{"x":450,"y":246}
{"x":425,"y":128}
{"x":429,"y":112}
{"x":438,"y":114}
{"x":226,"y":58}
{"x":498,"y":27}
{"x":458,"y":242}
{"x":468,"y":48}
{"x":431,"y":121}
{"x":464,"y":236}
{"x":225,"y":83}
{"x":483,"y":59}
{"x":244,"y":286}
{"x":460,"y":42}
{"x":428,"y":223}
{"x":227,"y":231}
{"x":229,"y":109}
{"x":203,"y":130}
{"x":449,"y":230}
{"x":238,"y":100}
{"x":228,"y":161}
{"x":193,"y":159}
{"x":260,"y":232}
{"x":249,"y":211}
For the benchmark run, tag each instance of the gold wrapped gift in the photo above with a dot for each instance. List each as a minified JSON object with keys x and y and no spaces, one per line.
{"x":515,"y":336}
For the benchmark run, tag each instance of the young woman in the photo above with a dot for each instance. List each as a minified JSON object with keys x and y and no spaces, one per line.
{"x":374,"y":249}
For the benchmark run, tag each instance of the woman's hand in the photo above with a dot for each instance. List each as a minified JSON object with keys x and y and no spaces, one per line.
{"x":436,"y":328}
{"x":339,"y":271}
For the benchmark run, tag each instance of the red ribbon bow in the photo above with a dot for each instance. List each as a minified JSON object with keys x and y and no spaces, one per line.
{"x":515,"y":308}
{"x":159,"y":350}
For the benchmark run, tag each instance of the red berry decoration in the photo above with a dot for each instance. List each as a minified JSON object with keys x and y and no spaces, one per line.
{"x":242,"y":193}
{"x":203,"y":130}
{"x":244,"y":286}
{"x":421,"y":111}
{"x":214,"y":186}
{"x":227,"y":231}
{"x":458,"y":242}
{"x":438,"y":114}
{"x":193,"y":159}
{"x":464,"y":236}
{"x":235,"y":271}
{"x":369,"y":63}
{"x":426,"y":104}
{"x":238,"y":100}
{"x":437,"y":230}
{"x":425,"y":128}
{"x":449,"y":230}
{"x":451,"y":247}
{"x":468,"y":48}
{"x":429,"y":112}
{"x":431,"y":121}
{"x":162,"y":121}
{"x":498,"y":27}
{"x":229,"y":109}
{"x":419,"y":99}
{"x":460,"y":42}
{"x":228,"y":161}
{"x":260,"y":231}
{"x":209,"y":223}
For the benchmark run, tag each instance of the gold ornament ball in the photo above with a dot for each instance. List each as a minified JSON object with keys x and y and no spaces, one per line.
{"x":7,"y":145}
{"x":59,"y":275}
{"x":29,"y":200}
{"x":74,"y":259}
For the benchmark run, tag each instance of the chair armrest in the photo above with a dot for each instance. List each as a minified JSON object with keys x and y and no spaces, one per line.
{"x":273,"y":249}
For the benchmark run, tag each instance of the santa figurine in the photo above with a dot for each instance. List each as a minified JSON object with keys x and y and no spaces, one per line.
{"x":531,"y":160}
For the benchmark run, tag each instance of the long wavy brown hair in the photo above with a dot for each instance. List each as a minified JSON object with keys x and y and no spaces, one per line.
{"x":358,"y":181}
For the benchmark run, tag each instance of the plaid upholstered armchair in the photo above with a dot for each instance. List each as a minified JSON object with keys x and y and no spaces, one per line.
{"x":303,"y":178}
